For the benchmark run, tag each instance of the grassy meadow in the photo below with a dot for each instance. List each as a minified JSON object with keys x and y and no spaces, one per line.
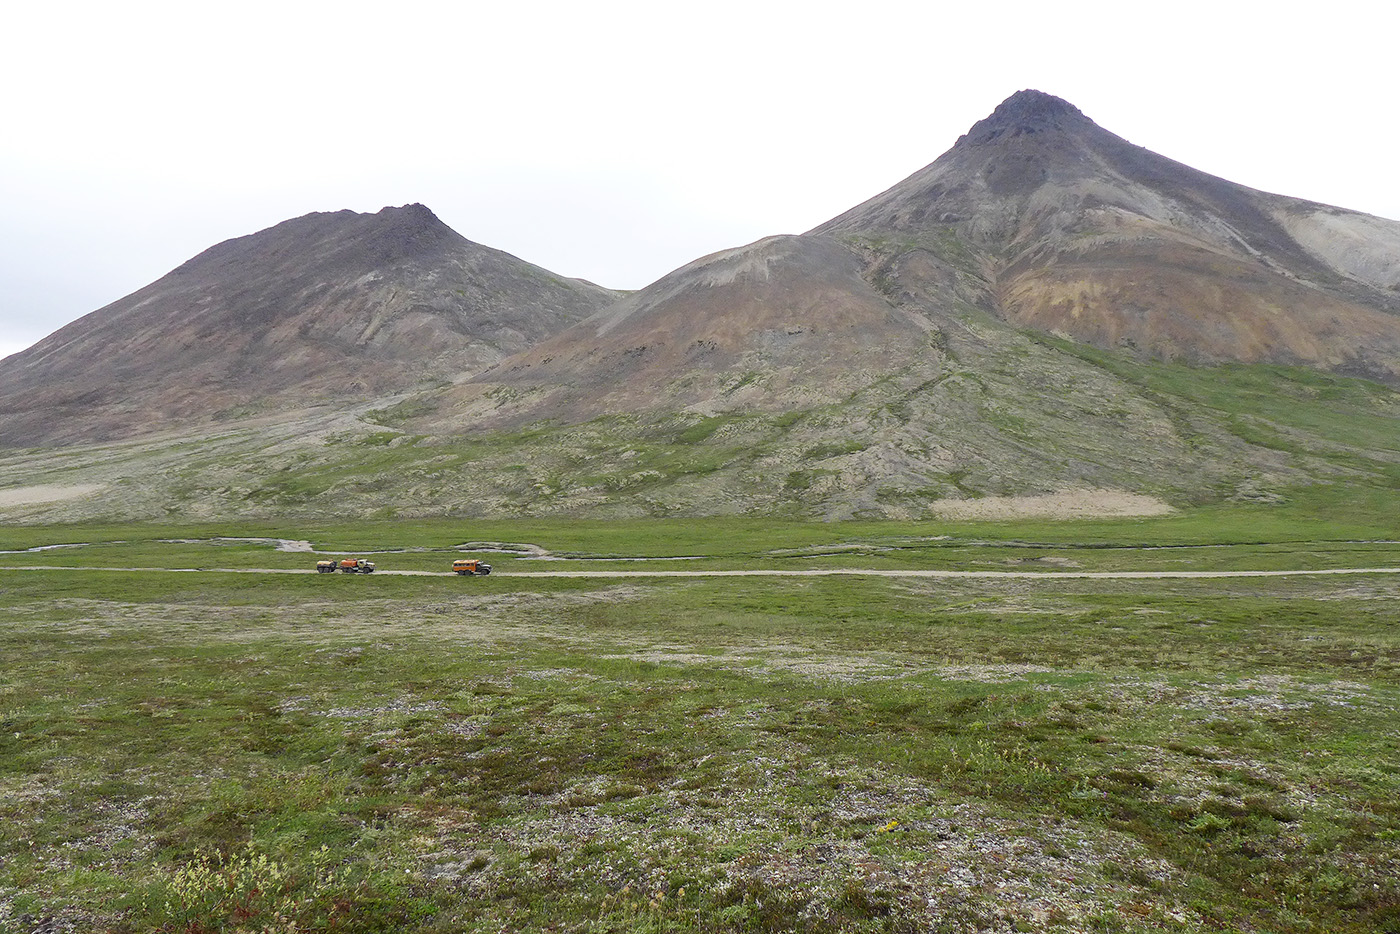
{"x":219,"y":752}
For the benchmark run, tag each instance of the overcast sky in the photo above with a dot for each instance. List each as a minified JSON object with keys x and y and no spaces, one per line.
{"x":616,"y":141}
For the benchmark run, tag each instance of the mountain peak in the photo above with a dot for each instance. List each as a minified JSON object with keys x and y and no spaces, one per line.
{"x":415,"y":211}
{"x":1023,"y":113}
{"x":410,"y":217}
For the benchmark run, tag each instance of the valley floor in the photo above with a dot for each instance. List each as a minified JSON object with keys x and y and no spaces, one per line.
{"x":225,"y":752}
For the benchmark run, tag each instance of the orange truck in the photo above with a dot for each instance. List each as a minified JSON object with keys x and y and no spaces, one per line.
{"x":472,"y":566}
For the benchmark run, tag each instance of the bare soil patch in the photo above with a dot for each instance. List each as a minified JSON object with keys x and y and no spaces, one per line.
{"x":49,"y":493}
{"x":1066,"y":504}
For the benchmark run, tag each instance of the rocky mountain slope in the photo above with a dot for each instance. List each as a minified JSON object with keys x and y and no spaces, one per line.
{"x":940,"y":340}
{"x":326,"y":306}
{"x":1053,"y":223}
{"x":784,"y":322}
{"x":1036,"y":218}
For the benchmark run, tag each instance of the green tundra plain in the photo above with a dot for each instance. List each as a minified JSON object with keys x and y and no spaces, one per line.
{"x":209,"y":751}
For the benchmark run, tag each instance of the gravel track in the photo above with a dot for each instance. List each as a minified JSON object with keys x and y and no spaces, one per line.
{"x":820,"y":572}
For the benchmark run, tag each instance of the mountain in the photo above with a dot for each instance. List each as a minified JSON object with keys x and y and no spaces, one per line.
{"x":1052,"y":223}
{"x":1045,"y":311}
{"x":327,"y":307}
{"x":1037,"y":218}
{"x":1012,"y":319}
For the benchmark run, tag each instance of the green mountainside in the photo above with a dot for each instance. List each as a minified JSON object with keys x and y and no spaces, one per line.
{"x":1023,"y":415}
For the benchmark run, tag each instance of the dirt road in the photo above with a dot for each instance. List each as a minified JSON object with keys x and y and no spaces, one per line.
{"x":823,"y":572}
